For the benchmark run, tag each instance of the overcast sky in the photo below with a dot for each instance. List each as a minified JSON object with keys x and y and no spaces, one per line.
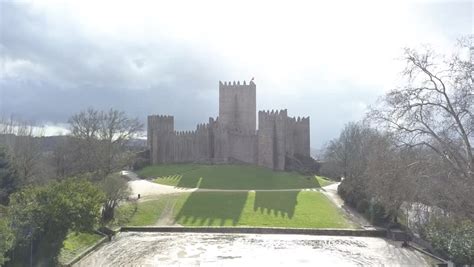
{"x":328,"y":60}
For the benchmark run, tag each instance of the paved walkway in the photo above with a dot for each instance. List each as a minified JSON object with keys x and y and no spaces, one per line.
{"x":352,"y":215}
{"x":200,"y":249}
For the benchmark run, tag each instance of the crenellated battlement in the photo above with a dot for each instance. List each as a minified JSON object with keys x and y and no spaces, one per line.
{"x":232,"y":135}
{"x":161,"y":116}
{"x":184,"y":133}
{"x":273,"y":113}
{"x":238,"y":84}
{"x":160,"y":123}
{"x":299,"y":119}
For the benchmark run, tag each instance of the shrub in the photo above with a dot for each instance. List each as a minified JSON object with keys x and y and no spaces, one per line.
{"x":452,"y":238}
{"x":353,"y":197}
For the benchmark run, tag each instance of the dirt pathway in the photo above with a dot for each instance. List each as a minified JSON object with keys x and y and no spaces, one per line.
{"x":166,"y":217}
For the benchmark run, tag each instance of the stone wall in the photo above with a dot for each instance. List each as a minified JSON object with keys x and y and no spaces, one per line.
{"x":302,"y":137}
{"x":159,"y":130}
{"x":167,"y":145}
{"x":232,"y":137}
{"x":280,"y":136}
{"x":238,"y":105}
{"x":242,"y":146}
{"x":298,"y":140}
{"x":272,"y":131}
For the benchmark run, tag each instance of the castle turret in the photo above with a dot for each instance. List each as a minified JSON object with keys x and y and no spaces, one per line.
{"x":238,"y":105}
{"x":232,"y":136}
{"x":271,"y":141}
{"x":160,"y":129}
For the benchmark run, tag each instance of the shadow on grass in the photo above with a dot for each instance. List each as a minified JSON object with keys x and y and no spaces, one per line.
{"x":212,"y":208}
{"x":281,"y":203}
{"x":188,"y":181}
{"x":245,"y":177}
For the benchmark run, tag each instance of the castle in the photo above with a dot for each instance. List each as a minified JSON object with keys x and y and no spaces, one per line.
{"x":232,"y":137}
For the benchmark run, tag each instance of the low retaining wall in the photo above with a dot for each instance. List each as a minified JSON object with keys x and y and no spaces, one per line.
{"x":87,"y":251}
{"x":259,"y":230}
{"x":442,"y":262}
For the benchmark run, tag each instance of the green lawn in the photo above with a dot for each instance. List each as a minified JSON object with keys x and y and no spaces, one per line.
{"x":324,"y":181}
{"x":226,"y":177}
{"x":300,"y":209}
{"x":76,"y":243}
{"x":133,"y":214}
{"x":141,"y":213}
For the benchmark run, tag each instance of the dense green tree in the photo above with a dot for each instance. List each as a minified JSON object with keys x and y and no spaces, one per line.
{"x":42,"y":216}
{"x":452,"y":238}
{"x":9,"y":180}
{"x":6,"y":240}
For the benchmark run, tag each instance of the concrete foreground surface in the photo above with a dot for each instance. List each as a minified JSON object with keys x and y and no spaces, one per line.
{"x":196,"y":249}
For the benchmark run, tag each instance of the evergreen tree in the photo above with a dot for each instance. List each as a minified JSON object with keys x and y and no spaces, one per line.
{"x":9,"y":180}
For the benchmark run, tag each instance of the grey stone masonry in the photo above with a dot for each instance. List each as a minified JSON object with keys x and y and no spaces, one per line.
{"x":231,"y":137}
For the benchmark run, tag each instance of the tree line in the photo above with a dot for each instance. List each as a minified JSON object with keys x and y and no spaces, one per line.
{"x":44,"y":195}
{"x":409,"y":163}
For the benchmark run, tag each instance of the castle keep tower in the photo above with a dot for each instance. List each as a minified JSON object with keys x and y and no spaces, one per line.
{"x":159,"y":130}
{"x":232,"y":137}
{"x":238,"y":106}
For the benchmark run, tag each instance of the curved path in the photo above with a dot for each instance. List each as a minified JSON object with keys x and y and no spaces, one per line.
{"x":146,"y":188}
{"x":352,"y":215}
{"x":149,"y":189}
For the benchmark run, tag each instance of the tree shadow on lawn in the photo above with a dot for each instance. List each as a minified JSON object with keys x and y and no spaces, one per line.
{"x":212,"y":208}
{"x":242,"y":182}
{"x":225,"y":208}
{"x":280,"y":203}
{"x":188,"y":181}
{"x":183,"y":181}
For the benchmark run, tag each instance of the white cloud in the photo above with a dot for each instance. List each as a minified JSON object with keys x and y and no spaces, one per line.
{"x":341,"y":51}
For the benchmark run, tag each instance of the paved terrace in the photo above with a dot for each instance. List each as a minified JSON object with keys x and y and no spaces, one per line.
{"x":220,"y":249}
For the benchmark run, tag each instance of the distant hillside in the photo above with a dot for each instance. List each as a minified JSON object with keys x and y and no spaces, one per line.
{"x":49,"y":143}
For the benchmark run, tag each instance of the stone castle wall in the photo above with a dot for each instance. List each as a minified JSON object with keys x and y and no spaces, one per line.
{"x":302,"y":137}
{"x":159,"y":129}
{"x":271,"y":139}
{"x":242,"y":146}
{"x":232,"y":137}
{"x":280,"y":136}
{"x":238,"y":105}
{"x":167,"y":145}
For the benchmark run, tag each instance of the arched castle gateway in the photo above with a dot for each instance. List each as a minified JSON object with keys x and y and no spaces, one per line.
{"x":232,"y":137}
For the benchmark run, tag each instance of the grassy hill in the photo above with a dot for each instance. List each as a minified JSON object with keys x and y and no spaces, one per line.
{"x":226,"y":177}
{"x":299,"y":209}
{"x":292,"y":208}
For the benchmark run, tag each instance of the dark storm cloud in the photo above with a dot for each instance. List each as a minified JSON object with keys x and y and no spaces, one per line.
{"x":77,"y":72}
{"x":54,"y":66}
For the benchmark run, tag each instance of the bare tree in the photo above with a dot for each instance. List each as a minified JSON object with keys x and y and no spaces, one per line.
{"x":435,"y":109}
{"x":391,"y":174}
{"x":348,"y":153}
{"x":376,"y":171}
{"x":21,"y":138}
{"x":100,"y":139}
